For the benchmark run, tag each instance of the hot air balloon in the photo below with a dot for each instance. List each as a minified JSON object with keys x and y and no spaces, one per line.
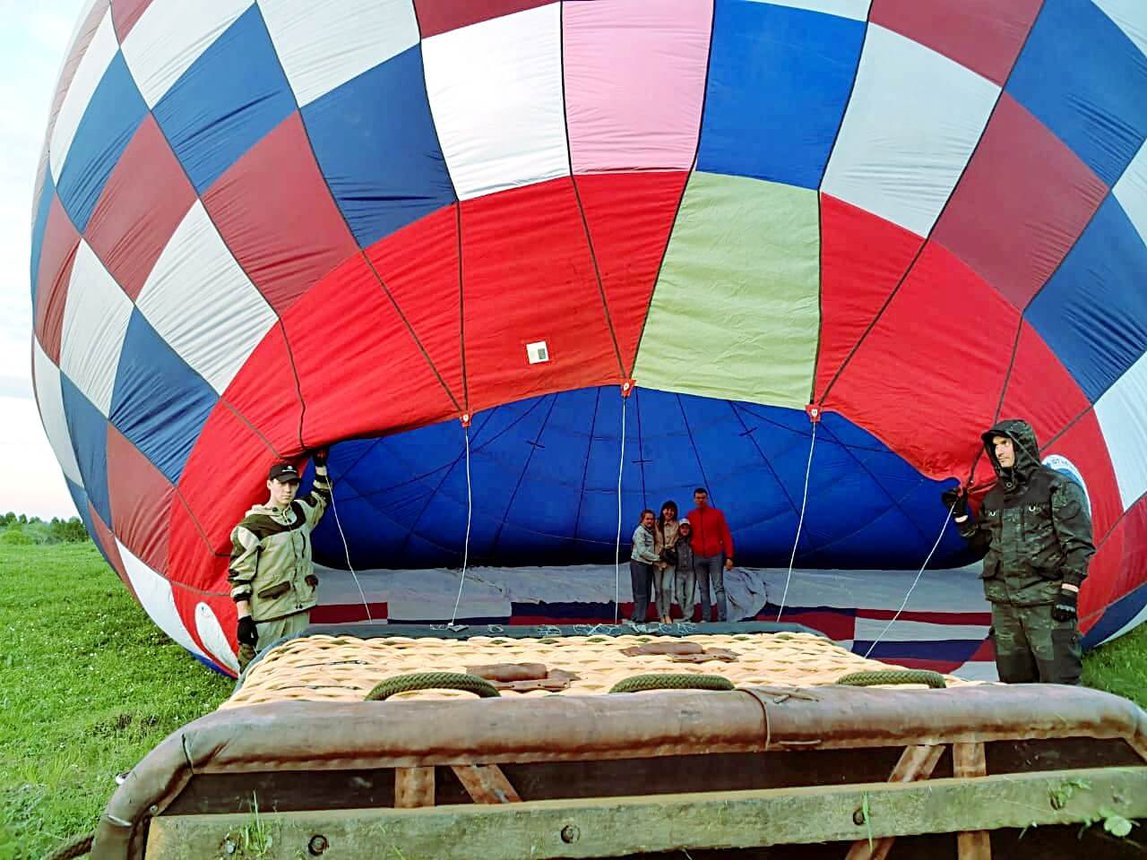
{"x":529,"y":267}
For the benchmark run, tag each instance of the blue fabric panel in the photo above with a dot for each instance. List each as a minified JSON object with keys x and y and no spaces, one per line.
{"x":779,"y":81}
{"x":39,"y":225}
{"x":545,"y":473}
{"x":110,"y":121}
{"x":230,"y":98}
{"x":1082,"y":77}
{"x":1093,"y":310}
{"x":88,"y":430}
{"x":384,"y":110}
{"x":80,"y":499}
{"x":947,"y":650}
{"x":1118,"y":614}
{"x":159,"y":403}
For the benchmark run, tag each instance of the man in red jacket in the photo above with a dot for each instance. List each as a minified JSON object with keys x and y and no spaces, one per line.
{"x":712,"y":552}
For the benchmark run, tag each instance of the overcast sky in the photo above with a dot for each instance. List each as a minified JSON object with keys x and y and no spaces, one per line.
{"x":33,"y":38}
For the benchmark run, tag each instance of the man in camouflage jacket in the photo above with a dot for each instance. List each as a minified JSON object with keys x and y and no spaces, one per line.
{"x":1035,"y":531}
{"x":272,"y":578}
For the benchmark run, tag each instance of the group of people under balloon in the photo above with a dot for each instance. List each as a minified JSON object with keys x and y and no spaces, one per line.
{"x":675,"y":558}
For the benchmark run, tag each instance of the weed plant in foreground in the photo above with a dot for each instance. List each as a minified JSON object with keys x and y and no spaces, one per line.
{"x":89,"y":684}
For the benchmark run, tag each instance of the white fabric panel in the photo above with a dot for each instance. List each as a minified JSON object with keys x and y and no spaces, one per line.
{"x":857,"y":10}
{"x":50,"y":399}
{"x":213,"y":638}
{"x":496,"y":94}
{"x":978,"y":670}
{"x":202,"y":303}
{"x":1130,"y":16}
{"x":322,"y":44}
{"x":154,"y":593}
{"x":90,"y":71}
{"x":170,"y":36}
{"x":871,"y":629}
{"x":1122,"y":414}
{"x":1131,"y":191}
{"x":95,"y":323}
{"x":912,"y":123}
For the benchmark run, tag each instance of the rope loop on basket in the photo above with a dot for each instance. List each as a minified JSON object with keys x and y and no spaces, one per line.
{"x":433,"y":681}
{"x":893,"y":676}
{"x":669,"y":681}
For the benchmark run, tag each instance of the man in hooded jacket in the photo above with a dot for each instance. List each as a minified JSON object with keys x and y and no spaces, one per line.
{"x":1035,"y":531}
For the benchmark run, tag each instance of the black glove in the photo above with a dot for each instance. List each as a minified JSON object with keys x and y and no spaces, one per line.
{"x":319,"y":456}
{"x":1066,"y":605}
{"x":956,"y":499}
{"x":248,"y":634}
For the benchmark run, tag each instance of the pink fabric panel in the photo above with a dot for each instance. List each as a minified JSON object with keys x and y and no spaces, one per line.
{"x":635,"y":82}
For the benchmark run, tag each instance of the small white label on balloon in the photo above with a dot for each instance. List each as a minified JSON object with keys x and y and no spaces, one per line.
{"x":537,"y":352}
{"x":1060,"y":463}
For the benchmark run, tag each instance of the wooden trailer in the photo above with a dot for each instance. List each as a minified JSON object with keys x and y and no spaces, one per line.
{"x":738,"y":743}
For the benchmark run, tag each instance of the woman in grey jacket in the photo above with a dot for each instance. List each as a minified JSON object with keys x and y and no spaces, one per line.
{"x":641,"y":561}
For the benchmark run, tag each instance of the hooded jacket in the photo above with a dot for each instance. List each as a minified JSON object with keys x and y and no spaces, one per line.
{"x":1033,"y":525}
{"x":271,"y":565}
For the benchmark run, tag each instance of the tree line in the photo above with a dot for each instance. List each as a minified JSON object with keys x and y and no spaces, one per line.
{"x":22,"y":529}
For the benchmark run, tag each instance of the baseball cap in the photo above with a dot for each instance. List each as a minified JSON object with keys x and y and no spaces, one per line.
{"x":283,"y":472}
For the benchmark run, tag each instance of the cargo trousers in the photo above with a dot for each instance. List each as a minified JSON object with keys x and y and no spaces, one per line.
{"x":1031,"y":646}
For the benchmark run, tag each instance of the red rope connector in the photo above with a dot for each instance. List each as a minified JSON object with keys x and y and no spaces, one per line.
{"x":813,"y":411}
{"x":465,"y":419}
{"x":627,"y":387}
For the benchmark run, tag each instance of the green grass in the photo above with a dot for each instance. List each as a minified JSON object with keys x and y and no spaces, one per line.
{"x":88,"y":684}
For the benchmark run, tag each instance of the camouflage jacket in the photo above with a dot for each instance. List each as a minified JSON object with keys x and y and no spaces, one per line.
{"x":271,"y":564}
{"x":1033,"y":527}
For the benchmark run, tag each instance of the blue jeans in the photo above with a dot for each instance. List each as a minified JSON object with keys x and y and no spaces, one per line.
{"x":711,"y":568}
{"x":641,"y":578}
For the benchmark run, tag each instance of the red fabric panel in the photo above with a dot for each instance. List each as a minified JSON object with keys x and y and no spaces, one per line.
{"x":630,"y":217}
{"x":1133,"y":567}
{"x":933,"y":365}
{"x":1040,"y":389}
{"x":190,"y":559}
{"x":986,"y":653}
{"x":984,"y":35}
{"x":125,"y":13}
{"x":840,"y":626}
{"x":862,"y":258}
{"x":360,"y":371}
{"x":57,"y":255}
{"x":1106,"y":582}
{"x":529,"y":277}
{"x":441,"y":16}
{"x":140,"y":501}
{"x":1021,"y":204}
{"x":928,"y":617}
{"x":264,"y":392}
{"x":419,"y":265}
{"x":275,"y":212}
{"x":225,"y":474}
{"x":144,"y":201}
{"x":347,"y":613}
{"x":104,"y":537}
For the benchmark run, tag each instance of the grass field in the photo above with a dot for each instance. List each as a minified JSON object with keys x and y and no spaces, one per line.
{"x":89,"y":685}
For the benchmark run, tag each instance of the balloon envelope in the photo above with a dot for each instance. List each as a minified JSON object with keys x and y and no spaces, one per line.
{"x":533,"y":266}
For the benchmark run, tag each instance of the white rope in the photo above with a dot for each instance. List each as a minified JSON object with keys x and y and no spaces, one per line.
{"x":469,"y":517}
{"x":800,"y":521}
{"x":912,"y":587}
{"x":617,"y":548}
{"x":346,"y":553}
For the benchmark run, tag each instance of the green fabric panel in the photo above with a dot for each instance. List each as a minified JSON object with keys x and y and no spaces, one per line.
{"x":735,"y":313}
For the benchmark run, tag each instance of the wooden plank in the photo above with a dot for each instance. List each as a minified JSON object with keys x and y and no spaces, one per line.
{"x":916,"y":763}
{"x":968,"y":760}
{"x":486,"y":783}
{"x":607,"y":827}
{"x":413,"y":787}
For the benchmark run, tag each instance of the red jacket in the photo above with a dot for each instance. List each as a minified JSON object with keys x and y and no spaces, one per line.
{"x":711,"y":535}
